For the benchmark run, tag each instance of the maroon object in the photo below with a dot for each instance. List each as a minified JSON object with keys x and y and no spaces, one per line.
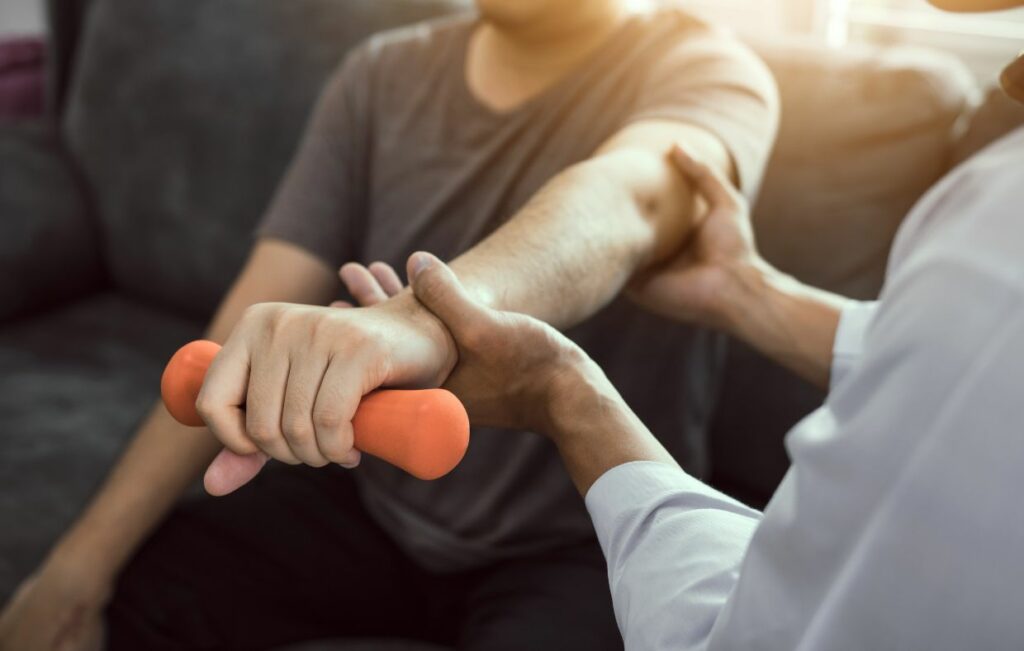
{"x":22,"y":77}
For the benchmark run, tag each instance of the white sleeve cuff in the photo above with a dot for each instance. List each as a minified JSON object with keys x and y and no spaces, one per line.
{"x":624,"y":490}
{"x":849,"y":342}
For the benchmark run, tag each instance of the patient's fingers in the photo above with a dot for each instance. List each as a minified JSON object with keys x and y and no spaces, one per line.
{"x":387,"y":277}
{"x":230,"y":471}
{"x":362,"y":284}
{"x":220,"y":402}
{"x":710,"y":182}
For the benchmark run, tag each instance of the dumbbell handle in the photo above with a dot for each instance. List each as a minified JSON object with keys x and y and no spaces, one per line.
{"x":424,"y":432}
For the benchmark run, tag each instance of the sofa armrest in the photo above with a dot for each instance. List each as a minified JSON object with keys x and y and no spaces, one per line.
{"x":49,"y":248}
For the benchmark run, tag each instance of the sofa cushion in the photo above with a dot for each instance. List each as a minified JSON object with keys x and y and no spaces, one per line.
{"x":73,"y":385}
{"x":864,"y":133}
{"x":49,"y":251}
{"x":183,"y":115}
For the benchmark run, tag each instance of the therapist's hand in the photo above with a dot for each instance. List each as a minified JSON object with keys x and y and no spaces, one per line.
{"x":290,"y":377}
{"x":719,"y":255}
{"x":513,"y":370}
{"x":517,"y":372}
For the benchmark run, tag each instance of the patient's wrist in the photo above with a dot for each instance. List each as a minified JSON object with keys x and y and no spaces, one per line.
{"x":406,"y":305}
{"x":87,"y":555}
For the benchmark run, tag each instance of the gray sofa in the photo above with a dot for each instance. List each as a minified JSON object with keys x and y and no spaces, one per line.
{"x":124,"y":216}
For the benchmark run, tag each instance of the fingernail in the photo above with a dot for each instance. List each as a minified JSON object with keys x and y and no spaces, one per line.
{"x":421,"y":262}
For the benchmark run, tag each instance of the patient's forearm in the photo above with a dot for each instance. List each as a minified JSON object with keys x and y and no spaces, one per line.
{"x":790,"y":322}
{"x":573,"y":247}
{"x":162,"y":460}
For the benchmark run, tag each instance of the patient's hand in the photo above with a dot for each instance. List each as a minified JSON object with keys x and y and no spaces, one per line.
{"x":693,"y":286}
{"x":511,"y":367}
{"x":300,"y":372}
{"x":60,"y":608}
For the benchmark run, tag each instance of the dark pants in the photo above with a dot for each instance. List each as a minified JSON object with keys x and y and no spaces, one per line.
{"x":294,"y":557}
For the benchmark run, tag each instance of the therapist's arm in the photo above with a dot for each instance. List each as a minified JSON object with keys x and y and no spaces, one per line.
{"x":673,"y":544}
{"x":719,"y":280}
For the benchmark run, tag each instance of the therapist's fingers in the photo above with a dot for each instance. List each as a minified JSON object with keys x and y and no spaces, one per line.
{"x":709,"y":181}
{"x":362,"y":284}
{"x":438,"y":289}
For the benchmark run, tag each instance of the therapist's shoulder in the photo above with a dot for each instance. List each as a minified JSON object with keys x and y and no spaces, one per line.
{"x":998,"y":167}
{"x":956,"y":270}
{"x":989,"y":200}
{"x":973,"y":217}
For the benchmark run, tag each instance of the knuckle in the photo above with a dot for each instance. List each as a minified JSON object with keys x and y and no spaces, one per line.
{"x":357,"y":338}
{"x":327,"y":420}
{"x":278,"y":321}
{"x":321,"y":325}
{"x":297,"y":430}
{"x":261,"y":432}
{"x":204,"y":406}
{"x":257,"y":311}
{"x":336,"y":445}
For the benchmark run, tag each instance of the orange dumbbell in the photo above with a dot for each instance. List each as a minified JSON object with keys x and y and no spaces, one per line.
{"x":424,"y":432}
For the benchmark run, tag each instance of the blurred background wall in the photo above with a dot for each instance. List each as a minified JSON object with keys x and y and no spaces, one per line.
{"x":20,"y":16}
{"x":984,"y":42}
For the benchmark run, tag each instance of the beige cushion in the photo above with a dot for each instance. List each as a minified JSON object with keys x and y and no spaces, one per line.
{"x":864,"y":133}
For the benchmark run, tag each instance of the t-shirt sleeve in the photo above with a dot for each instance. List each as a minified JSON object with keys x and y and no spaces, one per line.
{"x":712,"y":81}
{"x":319,"y":204}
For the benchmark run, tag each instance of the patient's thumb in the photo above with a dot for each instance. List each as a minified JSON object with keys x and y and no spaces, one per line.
{"x":435,"y":286}
{"x":230,"y":471}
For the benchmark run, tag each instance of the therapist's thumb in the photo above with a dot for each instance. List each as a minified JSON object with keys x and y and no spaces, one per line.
{"x":436,"y":286}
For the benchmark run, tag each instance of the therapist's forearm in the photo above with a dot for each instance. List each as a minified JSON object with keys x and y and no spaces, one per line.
{"x":788,"y":321}
{"x":595,"y":430}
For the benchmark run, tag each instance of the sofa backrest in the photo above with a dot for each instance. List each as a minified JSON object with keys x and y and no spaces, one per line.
{"x":183,"y":115}
{"x":864,"y":133}
{"x":64,"y":20}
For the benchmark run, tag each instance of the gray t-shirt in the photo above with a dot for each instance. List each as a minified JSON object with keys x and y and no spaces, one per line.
{"x":399,"y":156}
